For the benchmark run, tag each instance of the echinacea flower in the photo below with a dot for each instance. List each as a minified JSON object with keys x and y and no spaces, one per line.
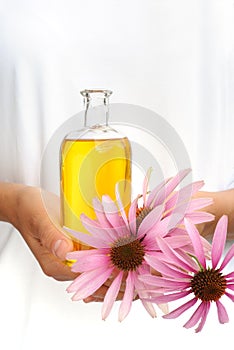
{"x":192,"y":276}
{"x":124,"y":245}
{"x":117,"y":250}
{"x":179,"y":204}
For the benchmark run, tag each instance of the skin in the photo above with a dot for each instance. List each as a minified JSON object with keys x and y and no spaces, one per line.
{"x":35,"y":214}
{"x":23,"y":207}
{"x":223,"y":203}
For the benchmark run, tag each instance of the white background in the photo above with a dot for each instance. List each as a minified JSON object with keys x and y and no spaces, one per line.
{"x":173,"y":57}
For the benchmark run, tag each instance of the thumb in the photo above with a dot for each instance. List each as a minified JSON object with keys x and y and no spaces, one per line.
{"x":61,"y":247}
{"x":56,"y":241}
{"x":52,"y":235}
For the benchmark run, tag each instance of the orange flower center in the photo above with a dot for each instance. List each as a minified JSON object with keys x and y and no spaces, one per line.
{"x":208,"y":285}
{"x":127,"y":253}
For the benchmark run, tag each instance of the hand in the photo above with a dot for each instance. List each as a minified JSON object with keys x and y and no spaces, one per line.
{"x":36,"y":216}
{"x":223,"y":203}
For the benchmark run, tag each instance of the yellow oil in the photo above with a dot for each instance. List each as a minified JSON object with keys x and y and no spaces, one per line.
{"x":89,"y":169}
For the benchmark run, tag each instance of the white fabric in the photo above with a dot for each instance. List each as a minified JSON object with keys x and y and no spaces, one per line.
{"x":173,"y":57}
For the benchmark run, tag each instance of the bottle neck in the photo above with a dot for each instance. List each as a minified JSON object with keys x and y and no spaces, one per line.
{"x":96,"y":103}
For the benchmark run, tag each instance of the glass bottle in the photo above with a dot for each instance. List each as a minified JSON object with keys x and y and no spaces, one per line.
{"x":92,"y":161}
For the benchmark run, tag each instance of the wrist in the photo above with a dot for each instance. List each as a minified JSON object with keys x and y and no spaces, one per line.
{"x":9,"y":201}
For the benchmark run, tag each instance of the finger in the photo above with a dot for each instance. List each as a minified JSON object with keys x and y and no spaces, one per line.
{"x":46,"y":227}
{"x":61,"y":246}
{"x":56,"y":269}
{"x":50,"y":265}
{"x":54,"y":240}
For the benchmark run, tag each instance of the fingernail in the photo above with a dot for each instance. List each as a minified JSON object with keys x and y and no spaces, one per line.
{"x":88,"y":299}
{"x":60,"y":249}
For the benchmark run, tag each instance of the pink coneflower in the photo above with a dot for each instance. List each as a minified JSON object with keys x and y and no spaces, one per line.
{"x":124,"y":245}
{"x":178,"y":204}
{"x":119,"y":251}
{"x":182,"y":277}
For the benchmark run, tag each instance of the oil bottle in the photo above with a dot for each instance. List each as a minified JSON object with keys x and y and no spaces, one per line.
{"x":92,"y":161}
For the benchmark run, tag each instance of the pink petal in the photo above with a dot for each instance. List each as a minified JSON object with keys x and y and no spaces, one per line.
{"x":219,"y":240}
{"x":87,"y":239}
{"x":196,"y":316}
{"x":164,"y":268}
{"x":199,"y":203}
{"x":146,"y":299}
{"x":168,"y":283}
{"x":170,"y":186}
{"x":101,"y":217}
{"x":196,"y":186}
{"x":230,"y":286}
{"x":150,"y":220}
{"x":178,"y":241}
{"x":149,"y":243}
{"x":112,"y":212}
{"x":156,"y":195}
{"x":99,"y":211}
{"x":178,"y":211}
{"x":90,"y":262}
{"x":172,"y":202}
{"x":149,"y":308}
{"x":181,"y":309}
{"x":206,"y":247}
{"x":173,"y":257}
{"x":120,"y":204}
{"x":184,"y":254}
{"x":204,"y":317}
{"x":77,"y":254}
{"x":83,"y":279}
{"x":163,"y":226}
{"x":87,"y":283}
{"x":169,"y":297}
{"x":132,"y":215}
{"x":196,"y":241}
{"x":126,"y":303}
{"x":177,"y":231}
{"x":140,"y":288}
{"x":111,"y":295}
{"x":176,"y":218}
{"x":227,"y":257}
{"x":174,"y":182}
{"x":222,"y":313}
{"x":230,"y":296}
{"x":95,"y":228}
{"x":181,"y":201}
{"x":198,"y":217}
{"x":192,"y":188}
{"x":146,"y":184}
{"x":230,"y":275}
{"x":183,"y":195}
{"x":142,"y":269}
{"x":106,"y":234}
